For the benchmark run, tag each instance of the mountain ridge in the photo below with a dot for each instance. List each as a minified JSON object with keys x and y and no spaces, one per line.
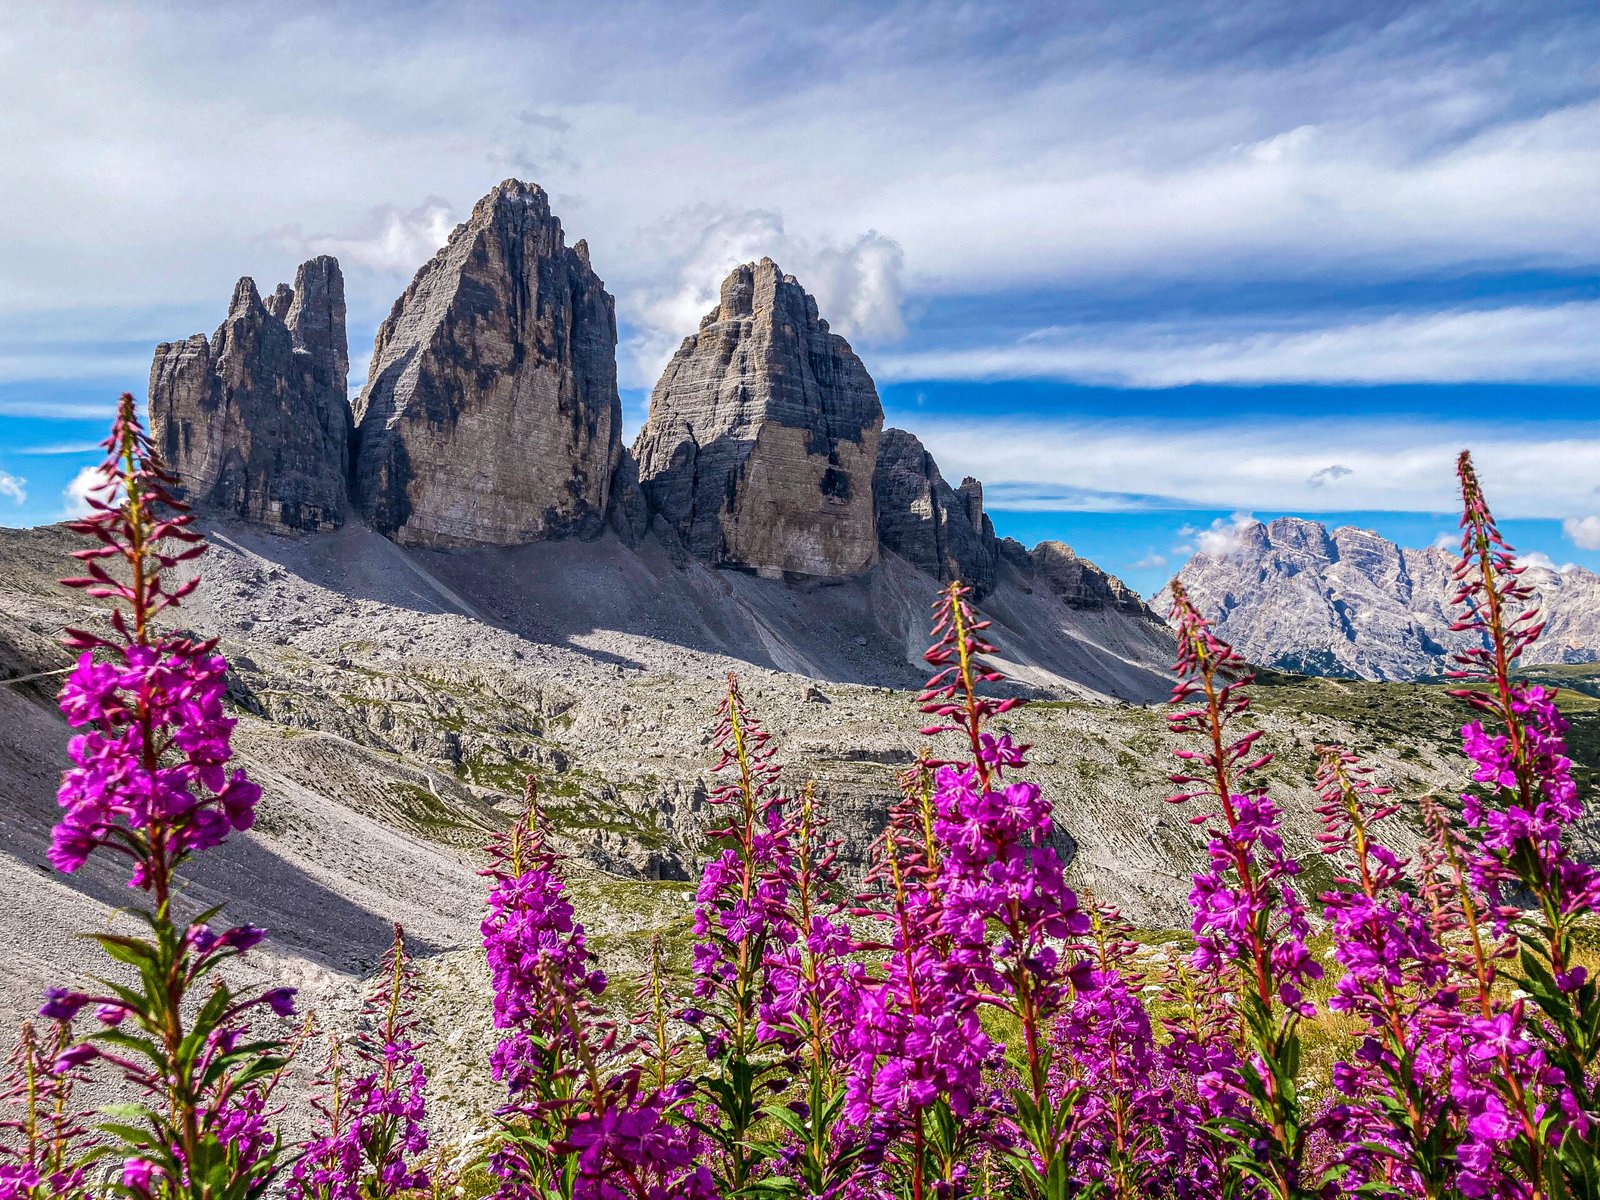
{"x":1293,"y":595}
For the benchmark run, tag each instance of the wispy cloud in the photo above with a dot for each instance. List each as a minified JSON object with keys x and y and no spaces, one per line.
{"x":1372,"y":142}
{"x":1522,"y":342}
{"x":1268,"y":464}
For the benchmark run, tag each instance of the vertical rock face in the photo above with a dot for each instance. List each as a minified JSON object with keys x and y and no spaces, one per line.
{"x":256,"y":422}
{"x":490,"y":415}
{"x":933,"y":526}
{"x":763,"y":435}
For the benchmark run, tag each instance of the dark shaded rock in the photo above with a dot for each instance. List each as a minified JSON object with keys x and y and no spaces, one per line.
{"x":762,"y":436}
{"x":942,"y":530}
{"x":490,"y":415}
{"x":1081,"y":584}
{"x":256,"y":422}
{"x":629,"y":514}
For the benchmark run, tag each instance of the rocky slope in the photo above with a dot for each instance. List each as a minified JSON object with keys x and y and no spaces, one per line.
{"x":257,"y":420}
{"x":490,"y":414}
{"x":763,"y":435}
{"x":1295,"y":596}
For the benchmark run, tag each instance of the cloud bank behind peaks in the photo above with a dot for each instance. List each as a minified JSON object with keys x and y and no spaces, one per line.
{"x":859,"y":285}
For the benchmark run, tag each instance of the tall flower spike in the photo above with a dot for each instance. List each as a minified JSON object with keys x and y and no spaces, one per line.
{"x":150,"y":782}
{"x":953,"y":696}
{"x":44,"y":1146}
{"x":150,"y":778}
{"x":1248,"y":917}
{"x":374,"y":1134}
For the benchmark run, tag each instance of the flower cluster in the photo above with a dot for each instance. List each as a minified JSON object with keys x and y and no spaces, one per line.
{"x":373,"y":1130}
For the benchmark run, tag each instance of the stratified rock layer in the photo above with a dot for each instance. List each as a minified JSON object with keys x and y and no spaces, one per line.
{"x":1295,"y":596}
{"x":763,"y":434}
{"x":927,"y":522}
{"x":490,"y":415}
{"x":256,"y":422}
{"x":1079,"y":583}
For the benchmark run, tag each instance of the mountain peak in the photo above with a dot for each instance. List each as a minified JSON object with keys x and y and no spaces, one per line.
{"x":762,"y":437}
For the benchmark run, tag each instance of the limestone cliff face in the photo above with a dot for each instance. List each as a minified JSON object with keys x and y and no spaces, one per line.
{"x":256,"y":421}
{"x":763,"y":435}
{"x":490,"y":415}
{"x":920,"y":517}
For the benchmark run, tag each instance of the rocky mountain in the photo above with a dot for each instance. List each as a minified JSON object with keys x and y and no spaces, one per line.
{"x":1293,"y":595}
{"x":763,"y":435}
{"x":257,"y":420}
{"x":490,"y":414}
{"x":928,"y":523}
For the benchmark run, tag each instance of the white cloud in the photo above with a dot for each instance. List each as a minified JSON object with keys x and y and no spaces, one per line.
{"x":13,"y":486}
{"x":1329,"y":474}
{"x":1520,"y":342}
{"x":1219,"y":539}
{"x":1446,"y":541}
{"x":1149,"y":562}
{"x":1582,"y":532}
{"x":1064,"y":149}
{"x":1541,"y":561}
{"x":87,"y":482}
{"x":858,"y":285}
{"x":386,"y":240}
{"x":1528,"y":470}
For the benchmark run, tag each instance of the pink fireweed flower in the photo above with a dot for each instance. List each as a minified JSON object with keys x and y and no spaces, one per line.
{"x":149,"y":777}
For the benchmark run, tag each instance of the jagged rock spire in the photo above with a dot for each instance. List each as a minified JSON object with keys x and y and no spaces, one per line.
{"x":491,"y":415}
{"x":762,"y":436}
{"x":920,"y":517}
{"x":256,"y":422}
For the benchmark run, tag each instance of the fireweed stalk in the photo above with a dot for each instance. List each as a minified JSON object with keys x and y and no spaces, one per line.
{"x":1535,"y":1110}
{"x":578,"y":1124}
{"x":742,"y":926}
{"x":149,"y":784}
{"x":1121,"y":1142}
{"x":45,"y":1143}
{"x":373,"y":1131}
{"x":1400,"y":1129}
{"x":1007,"y":909}
{"x":1249,"y":923}
{"x":805,"y":1016}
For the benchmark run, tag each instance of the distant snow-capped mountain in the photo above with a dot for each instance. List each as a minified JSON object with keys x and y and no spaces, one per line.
{"x":1293,"y":596}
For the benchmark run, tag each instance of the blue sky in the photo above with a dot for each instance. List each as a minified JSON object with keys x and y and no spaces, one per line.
{"x":1143,"y":268}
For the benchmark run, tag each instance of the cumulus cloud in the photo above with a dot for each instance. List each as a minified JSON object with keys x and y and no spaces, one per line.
{"x":858,"y":285}
{"x":1539,"y":560}
{"x":14,"y":487}
{"x":387,"y":239}
{"x":1217,"y":540}
{"x":1149,"y":562}
{"x":1582,"y":532}
{"x":80,"y":487}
